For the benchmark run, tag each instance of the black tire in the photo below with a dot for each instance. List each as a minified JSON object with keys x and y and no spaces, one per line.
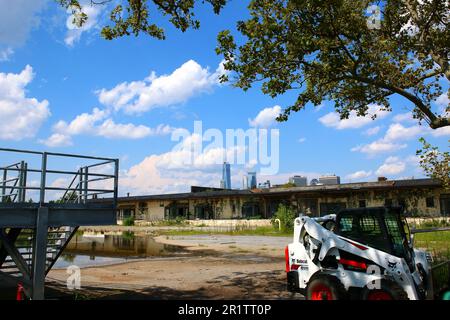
{"x":388,"y":288}
{"x":325,"y":287}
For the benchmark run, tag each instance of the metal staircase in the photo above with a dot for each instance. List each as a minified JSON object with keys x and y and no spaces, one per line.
{"x":57,"y":238}
{"x":56,"y":242}
{"x":29,"y":248}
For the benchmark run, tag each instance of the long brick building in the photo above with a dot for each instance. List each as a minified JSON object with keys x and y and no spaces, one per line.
{"x":419,"y":197}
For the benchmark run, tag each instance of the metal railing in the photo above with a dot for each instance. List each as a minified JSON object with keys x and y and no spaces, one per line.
{"x":441,"y":277}
{"x":14,"y":184}
{"x":11,"y":186}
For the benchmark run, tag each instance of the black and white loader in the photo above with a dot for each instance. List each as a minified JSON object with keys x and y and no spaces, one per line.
{"x":364,"y":253}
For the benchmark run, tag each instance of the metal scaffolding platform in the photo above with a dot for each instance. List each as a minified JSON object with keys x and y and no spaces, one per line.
{"x":34,"y":232}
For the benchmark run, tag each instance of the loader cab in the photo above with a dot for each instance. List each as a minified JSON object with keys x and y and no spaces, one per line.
{"x":381,"y":228}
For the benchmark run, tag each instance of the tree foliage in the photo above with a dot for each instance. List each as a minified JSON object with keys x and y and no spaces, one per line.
{"x":134,"y":16}
{"x":435,"y":163}
{"x":323,"y":49}
{"x":327,"y":50}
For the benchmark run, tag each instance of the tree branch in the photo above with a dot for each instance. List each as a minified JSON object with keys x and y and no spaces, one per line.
{"x":434,"y":121}
{"x":438,"y":59}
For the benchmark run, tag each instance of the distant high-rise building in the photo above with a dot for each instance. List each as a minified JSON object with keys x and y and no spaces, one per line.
{"x":329,"y":180}
{"x":251,"y":180}
{"x":222,"y":184}
{"x":244,"y":182}
{"x":264,"y":185}
{"x":299,"y":181}
{"x":226,"y":176}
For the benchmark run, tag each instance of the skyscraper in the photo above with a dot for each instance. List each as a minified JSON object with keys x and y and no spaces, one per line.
{"x":330,"y":180}
{"x":226,"y":176}
{"x":299,"y":181}
{"x":251,"y":180}
{"x":244,"y":182}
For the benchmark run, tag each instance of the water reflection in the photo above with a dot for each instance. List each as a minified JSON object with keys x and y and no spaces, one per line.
{"x":96,"y":249}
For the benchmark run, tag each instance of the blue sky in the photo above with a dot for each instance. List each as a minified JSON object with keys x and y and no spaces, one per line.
{"x":68,"y":90}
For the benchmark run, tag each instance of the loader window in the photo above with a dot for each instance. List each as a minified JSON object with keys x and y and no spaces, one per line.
{"x":346,"y":224}
{"x":394,"y":229}
{"x":370,"y":225}
{"x":364,"y":228}
{"x":378,"y":228}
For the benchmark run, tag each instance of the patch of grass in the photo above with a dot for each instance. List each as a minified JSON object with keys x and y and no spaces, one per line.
{"x":178,"y":221}
{"x":259,"y":231}
{"x":437,"y":243}
{"x":433,"y":223}
{"x":232,"y":247}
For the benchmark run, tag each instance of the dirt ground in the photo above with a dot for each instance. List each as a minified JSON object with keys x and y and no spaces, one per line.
{"x":215,"y":267}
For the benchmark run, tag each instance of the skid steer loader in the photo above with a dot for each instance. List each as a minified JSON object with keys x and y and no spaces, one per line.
{"x":364,"y":253}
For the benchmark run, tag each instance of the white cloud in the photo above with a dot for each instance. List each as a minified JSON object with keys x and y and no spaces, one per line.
{"x":404,"y":117}
{"x":6,"y":53}
{"x":57,"y":140}
{"x":110,"y":129}
{"x":377,"y":147}
{"x":74,"y":33}
{"x":20,"y":116}
{"x":17,"y":18}
{"x":99,"y":123}
{"x":84,"y":123}
{"x":319,"y":107}
{"x":301,"y":140}
{"x":443,"y":100}
{"x":147,"y":177}
{"x":178,"y":169}
{"x":372,"y":131}
{"x":391,"y":166}
{"x":440,"y":132}
{"x":390,"y":142}
{"x":333,"y":120}
{"x":188,"y":80}
{"x":187,"y":156}
{"x":266,"y":117}
{"x":443,"y":103}
{"x":358,"y":175}
{"x":186,"y":165}
{"x":398,"y":132}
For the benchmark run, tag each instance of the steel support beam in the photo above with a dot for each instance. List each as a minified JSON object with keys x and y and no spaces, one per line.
{"x":14,"y":254}
{"x":40,"y":254}
{"x":12,"y":236}
{"x":5,"y":177}
{"x":26,"y":218}
{"x":61,"y":250}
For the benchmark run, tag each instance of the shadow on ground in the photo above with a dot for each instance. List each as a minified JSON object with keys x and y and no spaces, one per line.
{"x":258,"y":285}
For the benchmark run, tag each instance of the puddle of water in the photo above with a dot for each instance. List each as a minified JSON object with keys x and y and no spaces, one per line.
{"x":98,"y":249}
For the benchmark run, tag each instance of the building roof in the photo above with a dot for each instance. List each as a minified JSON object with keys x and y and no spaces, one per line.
{"x":187,"y":195}
{"x":388,"y":184}
{"x":344,"y":187}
